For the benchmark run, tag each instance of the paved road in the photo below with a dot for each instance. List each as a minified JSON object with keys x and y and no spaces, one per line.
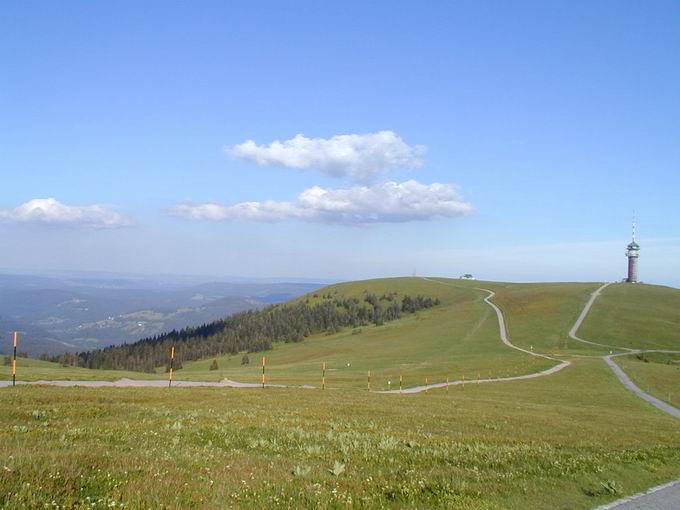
{"x":663,"y":497}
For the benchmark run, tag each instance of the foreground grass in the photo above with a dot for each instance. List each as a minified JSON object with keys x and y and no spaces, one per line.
{"x":656,"y":373}
{"x":635,"y":316}
{"x":572,"y":440}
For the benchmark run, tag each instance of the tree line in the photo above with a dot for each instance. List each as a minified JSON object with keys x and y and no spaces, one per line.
{"x":251,"y":331}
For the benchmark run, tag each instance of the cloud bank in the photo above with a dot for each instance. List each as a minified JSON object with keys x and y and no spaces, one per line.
{"x":359,"y":157}
{"x":51,"y":211}
{"x":388,"y":202}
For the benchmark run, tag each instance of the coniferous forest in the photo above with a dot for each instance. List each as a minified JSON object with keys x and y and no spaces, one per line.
{"x":252,"y":331}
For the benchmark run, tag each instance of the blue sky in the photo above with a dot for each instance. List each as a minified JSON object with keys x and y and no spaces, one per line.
{"x":545,"y":123}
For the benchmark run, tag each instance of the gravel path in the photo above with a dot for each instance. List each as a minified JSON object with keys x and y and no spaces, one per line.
{"x":659,"y":404}
{"x":138,"y":383}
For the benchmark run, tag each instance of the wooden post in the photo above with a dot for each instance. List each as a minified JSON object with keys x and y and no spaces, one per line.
{"x":264,"y":362}
{"x":369,"y":380}
{"x":401,"y":384}
{"x":426,"y":385}
{"x":15,"y":339}
{"x":323,"y":377}
{"x":172,"y":362}
{"x":447,"y":385}
{"x":463,"y":381}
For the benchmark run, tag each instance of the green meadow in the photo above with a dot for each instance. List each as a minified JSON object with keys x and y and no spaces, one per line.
{"x":571,"y":440}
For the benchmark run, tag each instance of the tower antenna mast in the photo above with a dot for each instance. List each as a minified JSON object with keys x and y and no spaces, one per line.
{"x":634,"y":227}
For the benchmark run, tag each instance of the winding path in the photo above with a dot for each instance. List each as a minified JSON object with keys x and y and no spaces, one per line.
{"x":503,"y":333}
{"x":582,"y":316}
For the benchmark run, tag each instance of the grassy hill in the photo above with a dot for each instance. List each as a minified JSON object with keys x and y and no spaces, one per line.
{"x":459,"y":338}
{"x":635,"y":316}
{"x":541,"y":314}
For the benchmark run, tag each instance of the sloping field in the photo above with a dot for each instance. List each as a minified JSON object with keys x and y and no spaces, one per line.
{"x":459,"y":338}
{"x":635,"y":316}
{"x":541,"y":314}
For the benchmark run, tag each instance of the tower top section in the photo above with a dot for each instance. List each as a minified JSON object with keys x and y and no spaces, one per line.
{"x":633,"y":246}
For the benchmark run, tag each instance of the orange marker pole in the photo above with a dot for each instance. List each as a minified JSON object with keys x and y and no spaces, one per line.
{"x":172,"y":362}
{"x":426,"y":385}
{"x":264,"y":362}
{"x":369,"y":380}
{"x":15,"y":338}
{"x":401,"y":384}
{"x":447,"y":385}
{"x":323,"y":377}
{"x":463,"y":382}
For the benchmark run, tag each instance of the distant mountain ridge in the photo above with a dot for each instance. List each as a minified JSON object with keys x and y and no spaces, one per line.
{"x":79,"y":312}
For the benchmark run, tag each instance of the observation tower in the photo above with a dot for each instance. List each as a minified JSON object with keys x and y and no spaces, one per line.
{"x":633,"y":253}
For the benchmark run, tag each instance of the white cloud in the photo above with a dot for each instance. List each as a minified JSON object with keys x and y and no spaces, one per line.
{"x":51,"y":211}
{"x":389,"y":202}
{"x":360,"y":157}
